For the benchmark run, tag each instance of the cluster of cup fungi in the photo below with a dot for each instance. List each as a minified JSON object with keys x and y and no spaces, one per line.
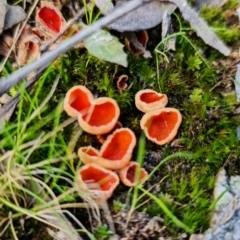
{"x":104,"y":168}
{"x":99,"y":116}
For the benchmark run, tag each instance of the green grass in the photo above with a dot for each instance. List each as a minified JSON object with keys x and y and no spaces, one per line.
{"x":37,"y":166}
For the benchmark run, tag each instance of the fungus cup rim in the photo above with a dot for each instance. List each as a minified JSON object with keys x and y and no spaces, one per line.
{"x":124,"y":171}
{"x":66,"y":105}
{"x":147,"y":107}
{"x":147,"y":116}
{"x":97,"y":194}
{"x":102,"y":129}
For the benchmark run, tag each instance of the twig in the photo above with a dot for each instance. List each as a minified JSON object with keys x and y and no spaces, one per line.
{"x":44,"y":61}
{"x":12,"y":103}
{"x":108,"y":216}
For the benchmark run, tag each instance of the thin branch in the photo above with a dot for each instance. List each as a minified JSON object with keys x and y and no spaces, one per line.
{"x":12,"y":103}
{"x":44,"y":61}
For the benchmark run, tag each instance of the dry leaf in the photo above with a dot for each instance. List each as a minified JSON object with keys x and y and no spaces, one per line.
{"x":201,"y":27}
{"x":136,"y":43}
{"x":166,"y":30}
{"x":6,"y":111}
{"x":3,"y":10}
{"x":144,"y":17}
{"x":10,"y":15}
{"x":14,"y":15}
{"x":237,"y":83}
{"x":105,"y":6}
{"x":6,"y":42}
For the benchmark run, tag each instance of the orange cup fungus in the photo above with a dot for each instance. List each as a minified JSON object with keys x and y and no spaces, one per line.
{"x":161,"y":125}
{"x":97,"y":181}
{"x":88,"y":154}
{"x":101,"y":117}
{"x":49,"y":19}
{"x":128,"y":174}
{"x":95,"y":116}
{"x":115,"y":152}
{"x":77,"y":101}
{"x":147,"y":100}
{"x":122,"y":82}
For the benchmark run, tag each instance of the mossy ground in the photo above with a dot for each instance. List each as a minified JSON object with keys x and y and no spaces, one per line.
{"x":208,"y":130}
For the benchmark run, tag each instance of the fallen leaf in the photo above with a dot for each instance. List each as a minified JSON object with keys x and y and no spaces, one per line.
{"x":237,"y":83}
{"x":3,"y":10}
{"x":5,"y":43}
{"x":144,"y":17}
{"x":201,"y":27}
{"x":14,"y":15}
{"x":105,"y":6}
{"x":166,"y":30}
{"x":10,"y":15}
{"x":106,"y":47}
{"x":138,"y":47}
{"x":4,"y":99}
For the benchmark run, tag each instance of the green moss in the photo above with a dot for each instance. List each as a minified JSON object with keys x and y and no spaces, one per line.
{"x":218,"y":20}
{"x":232,"y":4}
{"x":212,"y":14}
{"x":187,"y":197}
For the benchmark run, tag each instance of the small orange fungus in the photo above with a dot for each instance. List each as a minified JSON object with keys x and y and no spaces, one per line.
{"x":101,"y":117}
{"x":97,"y":181}
{"x":128,"y":175}
{"x":115,"y":152}
{"x":77,"y":101}
{"x":147,"y":100}
{"x":122,"y":82}
{"x":161,"y":125}
{"x":95,"y":116}
{"x":88,"y":154}
{"x":49,"y":19}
